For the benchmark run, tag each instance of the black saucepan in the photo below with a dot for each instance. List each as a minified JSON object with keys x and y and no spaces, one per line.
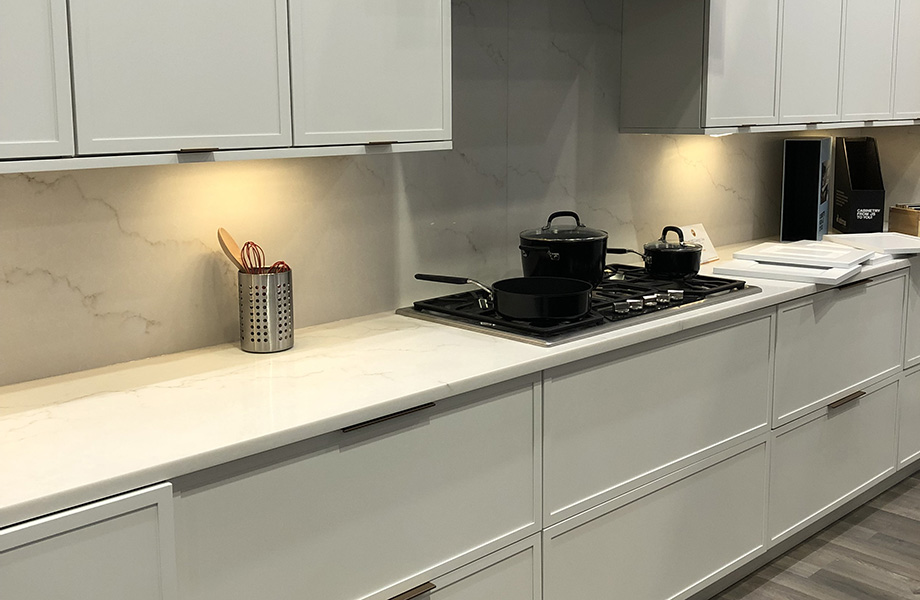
{"x":531,"y":298}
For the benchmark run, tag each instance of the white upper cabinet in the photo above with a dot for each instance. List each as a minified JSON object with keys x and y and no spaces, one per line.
{"x":868,"y":59}
{"x":370,"y":71}
{"x":810,"y":61}
{"x":741,"y":62}
{"x":35,"y":109}
{"x":907,"y":62}
{"x":176,"y":75}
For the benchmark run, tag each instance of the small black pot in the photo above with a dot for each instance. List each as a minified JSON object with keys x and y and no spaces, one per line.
{"x":672,"y":259}
{"x":573,"y":251}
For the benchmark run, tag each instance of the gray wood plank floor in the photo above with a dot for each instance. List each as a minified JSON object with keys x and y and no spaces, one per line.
{"x":873,"y":553}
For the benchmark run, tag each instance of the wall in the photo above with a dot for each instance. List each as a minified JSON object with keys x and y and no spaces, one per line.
{"x":103,"y":266}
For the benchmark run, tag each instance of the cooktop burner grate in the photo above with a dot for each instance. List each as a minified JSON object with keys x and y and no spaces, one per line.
{"x":627,"y":295}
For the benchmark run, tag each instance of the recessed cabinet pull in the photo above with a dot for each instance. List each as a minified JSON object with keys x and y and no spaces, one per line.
{"x":190,"y":150}
{"x":846,"y":400}
{"x":415,"y":592}
{"x":854,"y":284}
{"x":384,"y":143}
{"x":395,"y":415}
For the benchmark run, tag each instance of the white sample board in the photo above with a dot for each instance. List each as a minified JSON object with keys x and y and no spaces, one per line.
{"x":889,"y":242}
{"x":807,"y":253}
{"x":802,"y":274}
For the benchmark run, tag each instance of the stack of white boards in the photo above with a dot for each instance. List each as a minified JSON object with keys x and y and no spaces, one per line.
{"x":805,"y":261}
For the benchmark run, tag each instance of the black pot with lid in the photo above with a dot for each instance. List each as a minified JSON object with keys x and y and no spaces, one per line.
{"x":672,"y":259}
{"x":565,"y":249}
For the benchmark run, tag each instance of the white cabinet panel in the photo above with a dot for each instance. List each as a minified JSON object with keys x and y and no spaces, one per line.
{"x":35,"y":107}
{"x":912,"y":332}
{"x":612,"y":426}
{"x":810,"y":61}
{"x":667,"y":544}
{"x":513,"y":573}
{"x":821,"y":461}
{"x":366,"y":71}
{"x":114,"y":549}
{"x":907,"y":57}
{"x":172,"y":75}
{"x":369,"y":513}
{"x":741,"y":62}
{"x":909,"y":419}
{"x":868,"y":59}
{"x":836,"y":341}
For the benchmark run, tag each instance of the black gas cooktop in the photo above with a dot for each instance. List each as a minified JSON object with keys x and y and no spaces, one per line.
{"x":627,"y":296}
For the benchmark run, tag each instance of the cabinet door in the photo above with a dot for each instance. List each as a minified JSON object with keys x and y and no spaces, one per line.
{"x":909,"y":419}
{"x":173,"y":75}
{"x":907,"y":71}
{"x":667,"y":544}
{"x":810,"y":61}
{"x":117,"y":549}
{"x":367,"y":71}
{"x":369,"y":513}
{"x":868,"y":59}
{"x":835,"y":342}
{"x":823,"y":460}
{"x":35,"y":108}
{"x":741,"y":63}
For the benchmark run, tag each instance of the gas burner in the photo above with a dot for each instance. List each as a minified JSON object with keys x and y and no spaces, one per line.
{"x":627,"y":295}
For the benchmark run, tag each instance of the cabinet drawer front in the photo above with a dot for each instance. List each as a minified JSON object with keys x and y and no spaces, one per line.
{"x":819,"y":464}
{"x":614,"y":426}
{"x":371,"y":513}
{"x":912,"y":341}
{"x":111,"y":550}
{"x":172,"y":75}
{"x":835,"y":341}
{"x":512,"y":573}
{"x":909,"y":419}
{"x":668,"y":544}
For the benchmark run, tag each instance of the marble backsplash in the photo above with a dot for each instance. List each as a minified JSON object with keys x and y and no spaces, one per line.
{"x":108,"y":265}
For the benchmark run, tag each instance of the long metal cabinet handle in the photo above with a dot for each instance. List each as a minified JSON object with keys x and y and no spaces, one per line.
{"x":415,"y":592}
{"x":395,"y":415}
{"x":846,"y":399}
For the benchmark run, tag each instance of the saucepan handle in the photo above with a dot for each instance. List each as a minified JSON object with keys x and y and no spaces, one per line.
{"x":453,"y":280}
{"x":540,"y":249}
{"x":672,"y":229}
{"x":563,"y":213}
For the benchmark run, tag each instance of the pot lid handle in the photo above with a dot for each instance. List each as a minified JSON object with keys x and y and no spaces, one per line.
{"x":672,"y":229}
{"x":563,"y":213}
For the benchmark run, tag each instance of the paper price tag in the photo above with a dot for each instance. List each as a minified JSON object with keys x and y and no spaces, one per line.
{"x":697,"y":234}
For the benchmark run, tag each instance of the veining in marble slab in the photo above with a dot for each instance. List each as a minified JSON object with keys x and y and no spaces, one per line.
{"x":109,"y":265}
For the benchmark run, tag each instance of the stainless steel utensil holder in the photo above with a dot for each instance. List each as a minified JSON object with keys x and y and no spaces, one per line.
{"x":266,"y":312}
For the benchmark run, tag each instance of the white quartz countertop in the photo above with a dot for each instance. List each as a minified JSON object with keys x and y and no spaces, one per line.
{"x":76,"y":438}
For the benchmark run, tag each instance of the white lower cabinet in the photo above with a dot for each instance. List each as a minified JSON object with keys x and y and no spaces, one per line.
{"x":512,"y":573}
{"x":824,"y":459}
{"x":616,"y":422}
{"x":665,"y":544}
{"x":909,"y":419}
{"x":115,"y":549}
{"x":369,"y":513}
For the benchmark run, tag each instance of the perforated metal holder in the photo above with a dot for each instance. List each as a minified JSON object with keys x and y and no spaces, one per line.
{"x":266,"y":312}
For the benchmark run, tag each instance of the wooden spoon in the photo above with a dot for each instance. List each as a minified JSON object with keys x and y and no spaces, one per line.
{"x":230,"y":248}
